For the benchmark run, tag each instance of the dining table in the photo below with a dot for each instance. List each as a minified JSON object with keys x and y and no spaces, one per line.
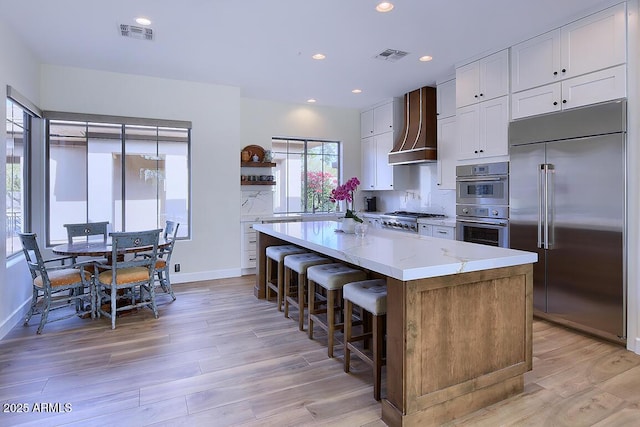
{"x":100,"y":248}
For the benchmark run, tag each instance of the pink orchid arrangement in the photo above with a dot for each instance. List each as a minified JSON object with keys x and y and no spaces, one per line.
{"x":345,"y":192}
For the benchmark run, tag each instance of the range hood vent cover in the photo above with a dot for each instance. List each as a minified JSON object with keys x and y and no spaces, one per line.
{"x":417,"y":141}
{"x":392,"y":55}
{"x":134,"y":32}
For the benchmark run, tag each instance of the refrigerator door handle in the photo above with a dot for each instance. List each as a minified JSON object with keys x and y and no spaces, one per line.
{"x":549,"y":205}
{"x":541,"y":202}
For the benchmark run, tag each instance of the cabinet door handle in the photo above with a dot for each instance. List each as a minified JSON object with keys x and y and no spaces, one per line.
{"x":475,"y":151}
{"x":482,"y":151}
{"x":564,"y":70}
{"x":475,"y":96}
{"x":564,"y":101}
{"x":482,"y":94}
{"x":555,"y":73}
{"x":555,"y":102}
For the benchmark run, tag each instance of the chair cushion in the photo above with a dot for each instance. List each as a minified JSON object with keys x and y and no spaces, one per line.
{"x":160,"y":264}
{"x":371,"y":295}
{"x":125,"y":275}
{"x":277,"y":253}
{"x":334,"y":276}
{"x":63,"y":277}
{"x":300,"y":262}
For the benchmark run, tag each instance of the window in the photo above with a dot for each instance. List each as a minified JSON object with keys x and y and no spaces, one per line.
{"x":17,"y":174}
{"x":306,"y":171}
{"x":133,"y":173}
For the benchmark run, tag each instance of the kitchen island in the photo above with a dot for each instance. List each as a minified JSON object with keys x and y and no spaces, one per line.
{"x":459,"y":315}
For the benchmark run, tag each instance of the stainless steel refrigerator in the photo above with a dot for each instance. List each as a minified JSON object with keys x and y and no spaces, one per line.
{"x":567,"y":203}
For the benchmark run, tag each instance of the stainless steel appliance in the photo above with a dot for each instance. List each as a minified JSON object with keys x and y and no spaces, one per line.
{"x":405,"y":221}
{"x":370,"y":204}
{"x":482,"y":199}
{"x":568,"y":205}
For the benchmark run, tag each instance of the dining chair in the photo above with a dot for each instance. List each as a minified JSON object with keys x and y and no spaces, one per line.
{"x":86,"y":231}
{"x":128,"y":284}
{"x":50,"y":281}
{"x":164,"y":257}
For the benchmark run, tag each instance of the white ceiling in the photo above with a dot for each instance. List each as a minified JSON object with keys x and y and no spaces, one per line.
{"x":265,"y":47}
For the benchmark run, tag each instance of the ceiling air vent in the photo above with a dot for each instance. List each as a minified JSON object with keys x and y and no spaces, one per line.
{"x":134,"y":32}
{"x":392,"y":55}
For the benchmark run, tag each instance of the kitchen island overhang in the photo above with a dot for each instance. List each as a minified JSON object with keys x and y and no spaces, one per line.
{"x":459,"y":315}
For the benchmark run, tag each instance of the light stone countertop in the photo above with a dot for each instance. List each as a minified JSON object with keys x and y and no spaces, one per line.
{"x":445,"y":222}
{"x":403,"y":256}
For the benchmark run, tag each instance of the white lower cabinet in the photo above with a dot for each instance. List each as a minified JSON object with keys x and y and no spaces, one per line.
{"x":440,"y":231}
{"x":249,"y":238}
{"x":592,"y":88}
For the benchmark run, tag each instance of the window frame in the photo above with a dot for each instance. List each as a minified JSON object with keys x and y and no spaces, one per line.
{"x":30,"y":112}
{"x":305,"y":154}
{"x":123,"y":122}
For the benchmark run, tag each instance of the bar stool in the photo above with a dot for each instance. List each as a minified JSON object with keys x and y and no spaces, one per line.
{"x":299,"y":263}
{"x":331,"y":277}
{"x":276,"y":254}
{"x":371,"y":296}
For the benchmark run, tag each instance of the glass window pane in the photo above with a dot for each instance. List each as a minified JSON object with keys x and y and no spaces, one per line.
{"x":306,"y":172}
{"x":67,"y":177}
{"x":137,"y":189}
{"x":15,"y":176}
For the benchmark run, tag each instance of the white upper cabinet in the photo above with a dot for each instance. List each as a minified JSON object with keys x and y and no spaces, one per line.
{"x":366,"y":123}
{"x":583,"y":90}
{"x":584,"y":46}
{"x":379,"y":127}
{"x":483,"y":80}
{"x":383,"y":118}
{"x":368,"y":175}
{"x":595,"y":42}
{"x":535,"y":62}
{"x":446,"y":99}
{"x":483,"y":129}
{"x":447,"y":140}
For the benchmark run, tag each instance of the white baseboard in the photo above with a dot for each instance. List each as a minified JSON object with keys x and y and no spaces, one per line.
{"x":205,"y":275}
{"x":15,"y":318}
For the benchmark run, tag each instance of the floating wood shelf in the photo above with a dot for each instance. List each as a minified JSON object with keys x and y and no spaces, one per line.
{"x":257,"y":165}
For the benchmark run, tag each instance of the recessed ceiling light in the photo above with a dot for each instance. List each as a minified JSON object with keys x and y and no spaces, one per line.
{"x":357,"y":91}
{"x":143,"y":21}
{"x":384,"y":6}
{"x":311,"y":100}
{"x":426,"y":58}
{"x":318,"y":56}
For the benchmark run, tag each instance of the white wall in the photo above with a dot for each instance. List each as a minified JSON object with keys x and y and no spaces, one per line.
{"x":19,"y":69}
{"x":262,"y":120}
{"x":214,"y":112}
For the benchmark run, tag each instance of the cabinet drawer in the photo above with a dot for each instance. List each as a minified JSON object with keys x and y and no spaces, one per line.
{"x":443,"y":232}
{"x":249,"y":240}
{"x":247,"y":227}
{"x":249,"y":259}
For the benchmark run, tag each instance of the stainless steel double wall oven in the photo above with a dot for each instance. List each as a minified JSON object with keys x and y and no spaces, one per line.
{"x":482,"y":203}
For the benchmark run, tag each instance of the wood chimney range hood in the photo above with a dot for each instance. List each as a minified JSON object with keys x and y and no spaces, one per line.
{"x":417,"y":142}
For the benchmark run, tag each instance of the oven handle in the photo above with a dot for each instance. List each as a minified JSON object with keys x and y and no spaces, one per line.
{"x":482,"y":178}
{"x":475,"y":221}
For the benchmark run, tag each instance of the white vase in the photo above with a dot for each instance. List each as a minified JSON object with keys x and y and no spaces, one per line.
{"x":348,"y":225}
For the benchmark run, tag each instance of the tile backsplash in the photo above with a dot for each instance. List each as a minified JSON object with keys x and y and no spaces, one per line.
{"x":258,"y":202}
{"x":424,"y":195}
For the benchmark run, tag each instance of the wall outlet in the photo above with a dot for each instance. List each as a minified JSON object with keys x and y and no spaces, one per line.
{"x":176,"y":268}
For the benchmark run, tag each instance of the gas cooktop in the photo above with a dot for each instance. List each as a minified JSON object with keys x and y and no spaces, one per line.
{"x":407,"y":214}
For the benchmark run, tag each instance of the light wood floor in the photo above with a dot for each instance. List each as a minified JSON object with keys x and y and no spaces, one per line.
{"x":217,"y":356}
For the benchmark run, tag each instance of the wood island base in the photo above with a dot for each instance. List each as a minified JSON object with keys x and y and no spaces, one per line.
{"x":456,"y":342}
